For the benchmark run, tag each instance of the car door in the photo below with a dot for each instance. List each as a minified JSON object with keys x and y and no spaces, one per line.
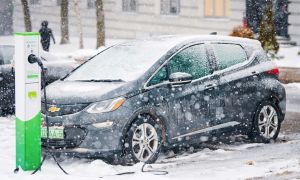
{"x":189,"y":103}
{"x":235,"y":84}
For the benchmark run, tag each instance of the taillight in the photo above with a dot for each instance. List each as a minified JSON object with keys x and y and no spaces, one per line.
{"x":274,"y":71}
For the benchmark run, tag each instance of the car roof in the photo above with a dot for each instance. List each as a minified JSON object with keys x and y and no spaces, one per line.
{"x":177,"y":39}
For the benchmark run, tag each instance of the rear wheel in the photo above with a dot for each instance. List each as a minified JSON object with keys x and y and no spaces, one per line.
{"x":266,"y":125}
{"x":143,"y":141}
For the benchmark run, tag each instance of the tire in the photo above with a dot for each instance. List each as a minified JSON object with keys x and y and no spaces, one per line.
{"x":266,"y":123}
{"x":143,"y":141}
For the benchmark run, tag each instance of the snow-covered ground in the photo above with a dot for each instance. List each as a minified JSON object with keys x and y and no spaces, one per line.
{"x":289,"y":57}
{"x":294,"y":85}
{"x":228,"y":161}
{"x":71,"y":50}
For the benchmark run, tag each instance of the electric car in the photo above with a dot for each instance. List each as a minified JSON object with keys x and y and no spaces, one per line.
{"x":136,"y":98}
{"x":55,"y":69}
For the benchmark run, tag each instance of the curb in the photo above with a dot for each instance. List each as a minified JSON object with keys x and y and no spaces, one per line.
{"x":289,"y":74}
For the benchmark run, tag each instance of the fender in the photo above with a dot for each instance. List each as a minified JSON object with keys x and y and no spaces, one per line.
{"x":147,"y":110}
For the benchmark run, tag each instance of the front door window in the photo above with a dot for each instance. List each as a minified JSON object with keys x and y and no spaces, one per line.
{"x":192,"y":60}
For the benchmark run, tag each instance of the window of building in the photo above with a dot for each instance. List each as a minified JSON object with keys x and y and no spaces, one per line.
{"x":216,"y":8}
{"x":129,"y":5}
{"x":35,"y":1}
{"x":228,"y":55}
{"x":91,"y":4}
{"x":170,"y":7}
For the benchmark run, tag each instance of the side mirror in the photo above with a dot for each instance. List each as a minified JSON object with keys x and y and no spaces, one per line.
{"x":180,"y":78}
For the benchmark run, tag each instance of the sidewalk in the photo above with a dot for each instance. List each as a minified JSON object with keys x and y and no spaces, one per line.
{"x":71,"y":50}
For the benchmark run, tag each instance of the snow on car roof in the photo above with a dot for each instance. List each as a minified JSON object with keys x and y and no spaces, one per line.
{"x":176,"y":39}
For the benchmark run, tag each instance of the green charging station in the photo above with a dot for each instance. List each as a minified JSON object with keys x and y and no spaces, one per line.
{"x":28,"y":102}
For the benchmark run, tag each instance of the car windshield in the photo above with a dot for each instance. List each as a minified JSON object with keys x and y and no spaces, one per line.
{"x":123,"y":62}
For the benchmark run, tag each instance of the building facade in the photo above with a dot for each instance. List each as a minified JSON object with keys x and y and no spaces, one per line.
{"x":129,"y":19}
{"x":6,"y":17}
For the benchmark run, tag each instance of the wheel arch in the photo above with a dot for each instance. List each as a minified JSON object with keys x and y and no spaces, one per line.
{"x":273,"y":98}
{"x":148,"y":111}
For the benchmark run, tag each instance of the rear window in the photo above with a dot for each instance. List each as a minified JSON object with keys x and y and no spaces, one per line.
{"x":228,"y":55}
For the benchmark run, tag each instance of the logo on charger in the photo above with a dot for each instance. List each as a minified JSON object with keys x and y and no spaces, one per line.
{"x":32,"y":95}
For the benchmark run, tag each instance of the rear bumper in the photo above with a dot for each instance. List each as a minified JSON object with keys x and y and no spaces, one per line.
{"x":282,"y":101}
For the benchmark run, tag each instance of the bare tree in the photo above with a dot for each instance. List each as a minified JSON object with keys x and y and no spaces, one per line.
{"x":79,"y":21}
{"x":100,"y":24}
{"x":64,"y":11}
{"x":26,"y":12}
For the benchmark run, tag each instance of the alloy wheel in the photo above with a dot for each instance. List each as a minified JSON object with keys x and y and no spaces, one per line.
{"x":268,"y":121}
{"x":144,"y":142}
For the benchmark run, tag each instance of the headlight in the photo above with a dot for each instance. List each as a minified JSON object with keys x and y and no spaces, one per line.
{"x":106,"y":106}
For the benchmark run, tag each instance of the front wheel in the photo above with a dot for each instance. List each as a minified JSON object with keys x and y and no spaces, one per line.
{"x":143,"y":141}
{"x":266,"y":125}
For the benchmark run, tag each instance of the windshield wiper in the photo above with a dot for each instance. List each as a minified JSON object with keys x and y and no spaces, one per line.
{"x":102,"y":80}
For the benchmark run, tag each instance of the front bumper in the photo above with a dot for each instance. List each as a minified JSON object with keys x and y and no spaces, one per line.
{"x":84,"y":153}
{"x":81,"y":138}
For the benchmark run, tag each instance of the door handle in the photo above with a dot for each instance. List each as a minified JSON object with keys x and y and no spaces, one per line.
{"x":210,"y":86}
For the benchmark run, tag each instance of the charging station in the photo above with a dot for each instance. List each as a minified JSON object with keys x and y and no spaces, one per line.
{"x":28,"y":101}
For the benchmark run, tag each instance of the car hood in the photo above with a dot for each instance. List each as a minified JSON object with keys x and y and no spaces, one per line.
{"x":74,"y":92}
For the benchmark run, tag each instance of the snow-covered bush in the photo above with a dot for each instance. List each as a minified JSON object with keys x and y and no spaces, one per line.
{"x":241,"y":31}
{"x":267,"y":32}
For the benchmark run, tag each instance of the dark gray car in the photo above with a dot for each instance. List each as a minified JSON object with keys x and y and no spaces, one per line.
{"x":135,"y":98}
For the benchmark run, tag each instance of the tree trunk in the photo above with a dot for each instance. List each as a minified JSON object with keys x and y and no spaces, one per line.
{"x":26,"y":12}
{"x":100,"y":24}
{"x":79,"y":21}
{"x":64,"y":11}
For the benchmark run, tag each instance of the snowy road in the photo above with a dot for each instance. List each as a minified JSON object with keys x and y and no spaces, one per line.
{"x":279,"y":160}
{"x":234,"y":161}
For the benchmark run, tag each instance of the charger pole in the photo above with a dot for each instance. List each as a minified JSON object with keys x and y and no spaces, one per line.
{"x":28,"y":102}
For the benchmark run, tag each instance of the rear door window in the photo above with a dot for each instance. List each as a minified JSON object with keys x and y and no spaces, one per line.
{"x":228,"y":55}
{"x":192,"y":60}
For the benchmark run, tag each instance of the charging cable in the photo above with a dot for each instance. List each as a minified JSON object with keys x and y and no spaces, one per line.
{"x":34,"y":59}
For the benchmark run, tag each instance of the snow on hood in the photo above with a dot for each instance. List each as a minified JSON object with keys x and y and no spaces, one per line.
{"x":72,"y":92}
